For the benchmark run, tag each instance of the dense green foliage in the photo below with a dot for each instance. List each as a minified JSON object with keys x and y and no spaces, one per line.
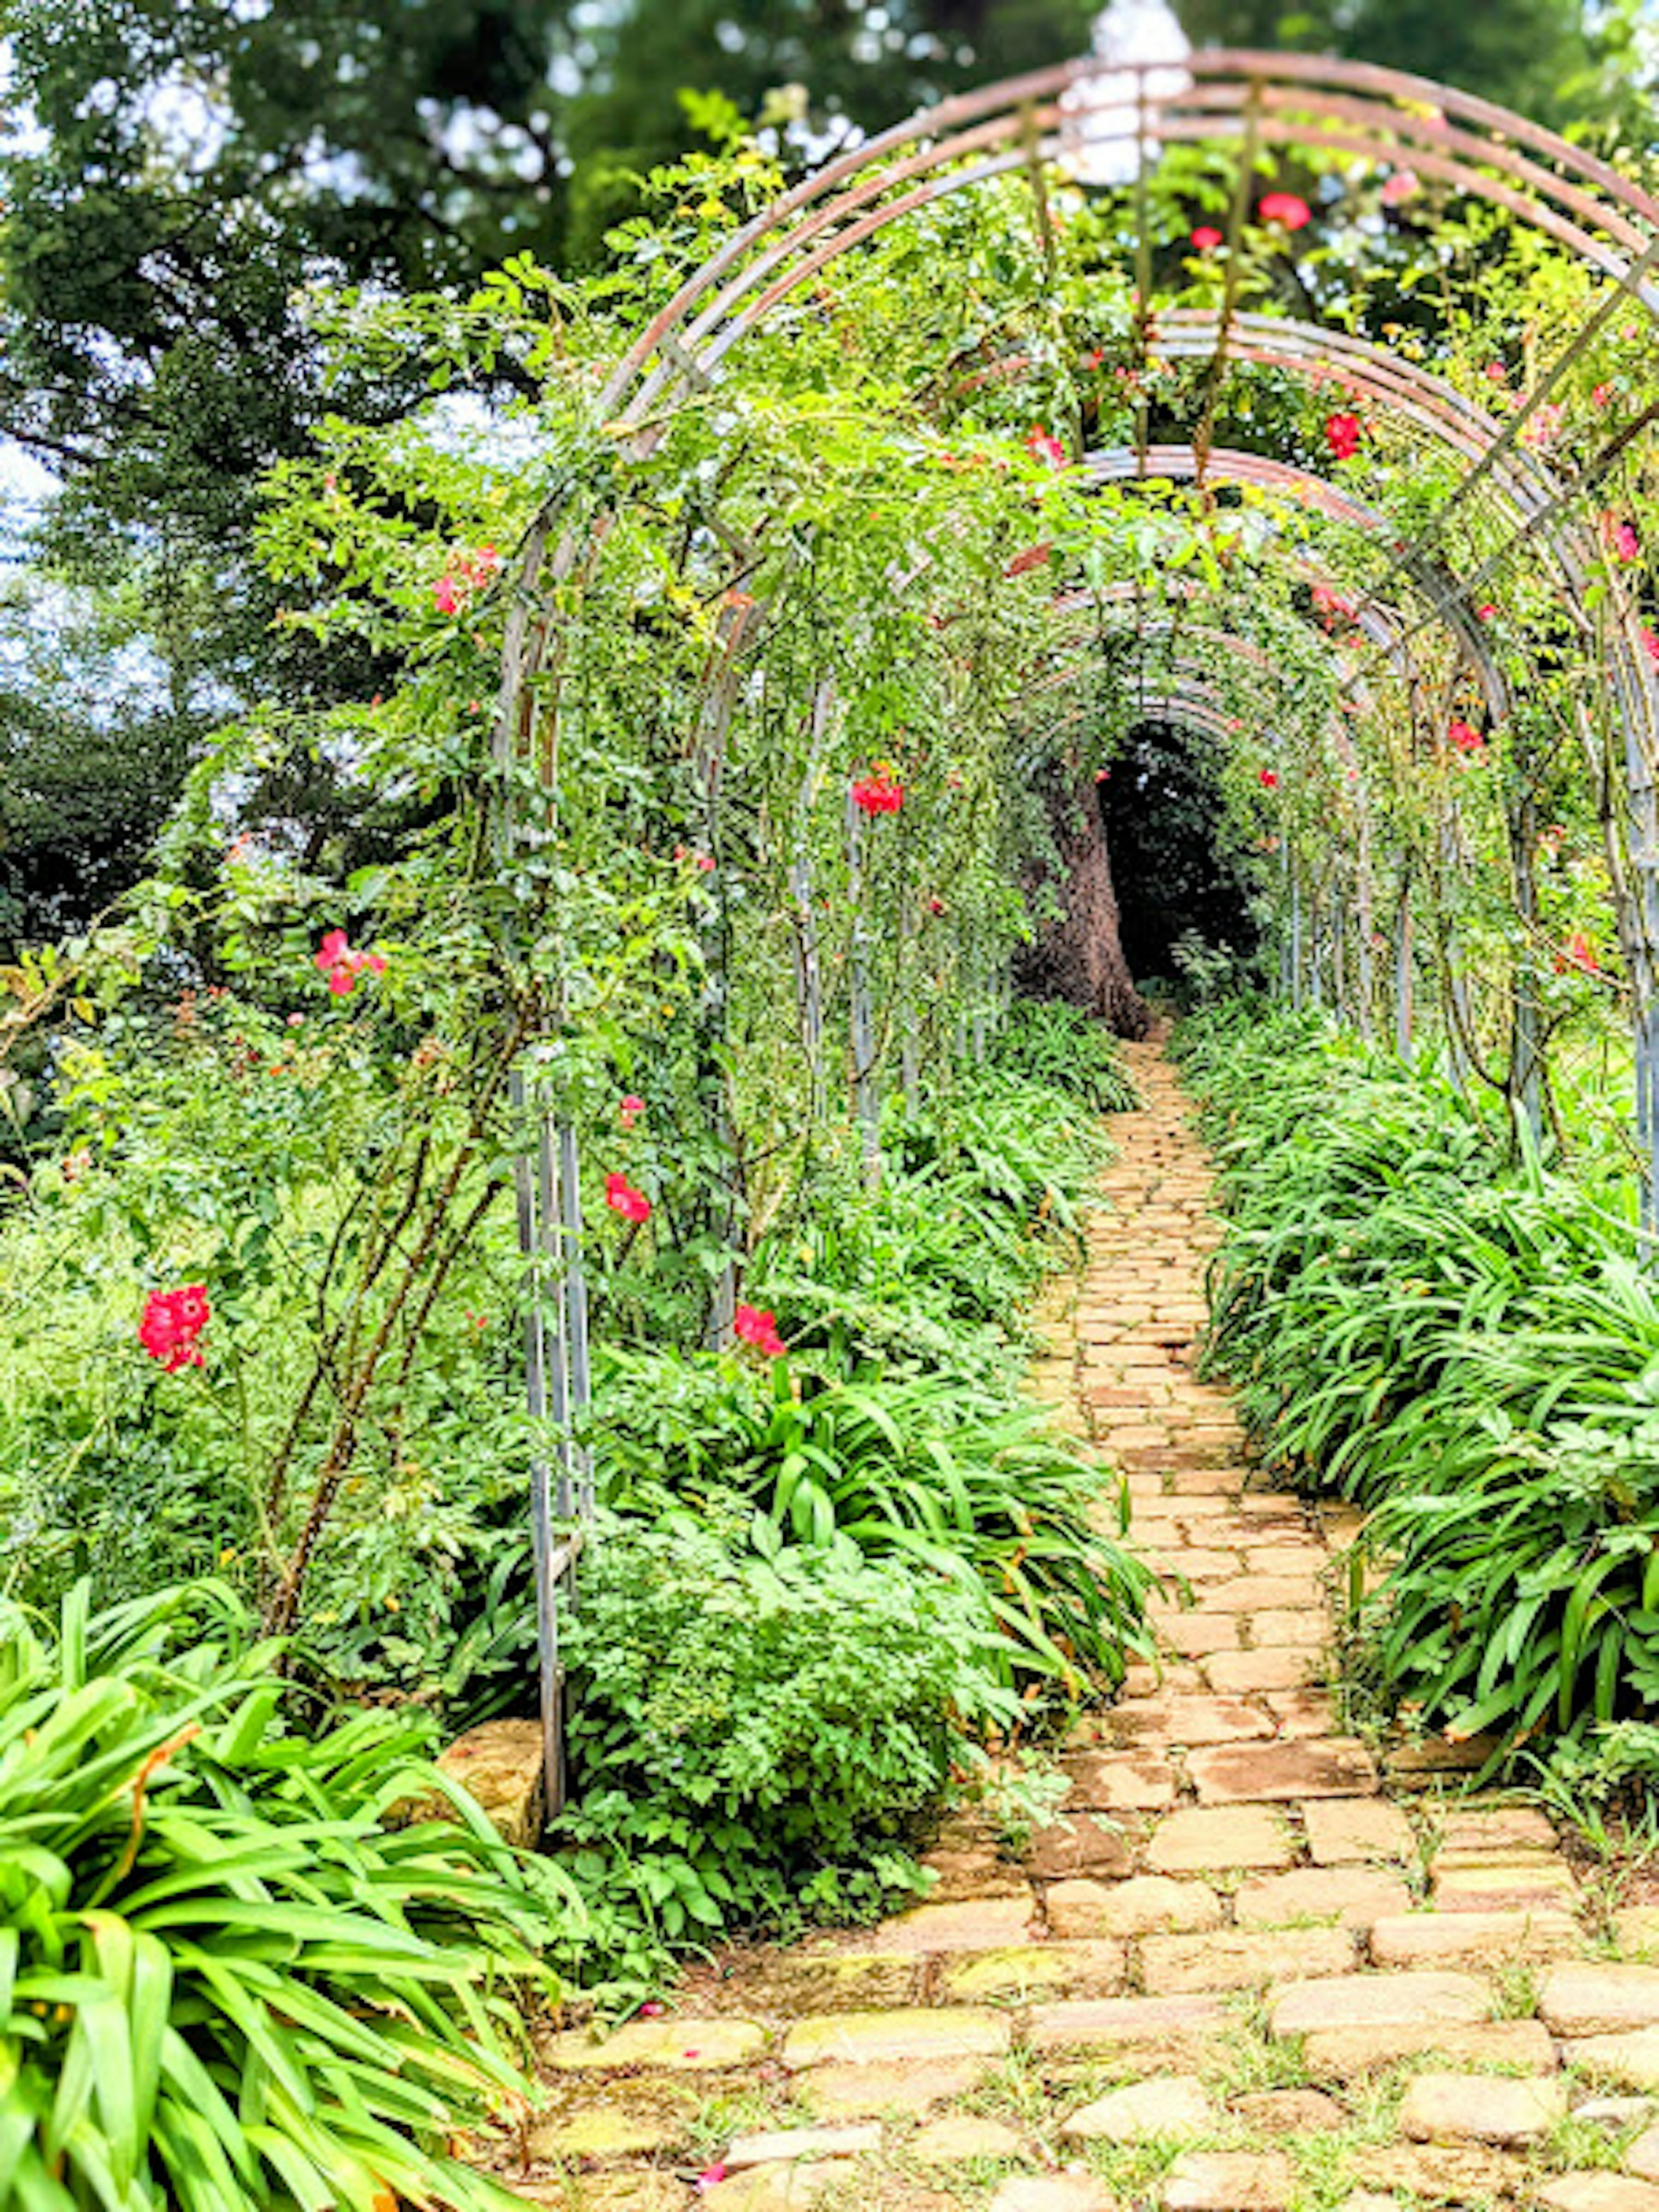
{"x":821,"y":1581}
{"x":226,"y":1983}
{"x":1423,"y":1313}
{"x":759,"y":1728}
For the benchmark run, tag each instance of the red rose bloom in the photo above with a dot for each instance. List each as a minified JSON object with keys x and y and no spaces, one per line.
{"x":757,"y":1326}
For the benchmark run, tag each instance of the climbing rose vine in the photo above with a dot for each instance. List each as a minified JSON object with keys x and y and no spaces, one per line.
{"x":878,"y":792}
{"x":1287,"y":209}
{"x":757,"y":1326}
{"x":341,"y":966}
{"x":621,"y":1197}
{"x":1043,"y":445}
{"x":172,"y":1322}
{"x":467,"y":575}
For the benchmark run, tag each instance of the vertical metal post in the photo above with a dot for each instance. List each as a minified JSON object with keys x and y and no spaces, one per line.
{"x":1459,"y":1012}
{"x":1403,"y":957}
{"x":909,"y":1056}
{"x":574,"y":1278}
{"x":1526,"y":1082}
{"x":1296,"y":939}
{"x":1364,"y":929}
{"x":866,"y":1098}
{"x":1637,"y":703}
{"x":809,"y":967}
{"x":546,"y":1395}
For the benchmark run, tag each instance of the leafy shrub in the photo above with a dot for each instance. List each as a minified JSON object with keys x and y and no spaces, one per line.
{"x":1045,"y":1042}
{"x":981,"y":1195}
{"x":228,"y":1984}
{"x":953,"y":1478}
{"x":1418,"y":1312}
{"x":756,"y":1729}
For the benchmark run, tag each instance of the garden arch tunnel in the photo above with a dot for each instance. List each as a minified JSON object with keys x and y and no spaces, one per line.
{"x":1460,"y":500}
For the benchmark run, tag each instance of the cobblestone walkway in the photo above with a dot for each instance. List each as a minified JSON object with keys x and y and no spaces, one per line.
{"x":1243,"y":1971}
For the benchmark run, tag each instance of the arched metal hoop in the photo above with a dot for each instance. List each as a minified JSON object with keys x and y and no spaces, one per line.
{"x":1069,"y":118}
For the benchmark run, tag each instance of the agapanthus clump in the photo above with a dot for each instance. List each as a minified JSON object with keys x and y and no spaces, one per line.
{"x":173,"y":1321}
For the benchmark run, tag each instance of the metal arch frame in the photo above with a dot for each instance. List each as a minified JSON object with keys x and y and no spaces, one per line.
{"x":1045,"y":116}
{"x":1231,"y":465}
{"x":1387,"y":115}
{"x":1052,"y":116}
{"x":1522,"y":484}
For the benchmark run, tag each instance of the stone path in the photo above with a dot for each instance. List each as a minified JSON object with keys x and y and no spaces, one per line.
{"x":1245,"y":1971}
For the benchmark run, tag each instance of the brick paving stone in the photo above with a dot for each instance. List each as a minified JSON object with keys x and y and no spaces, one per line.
{"x":1119,"y":1782}
{"x":1260,"y":1593}
{"x":1229,"y":2181}
{"x":862,"y":2090}
{"x":1630,"y":2060}
{"x":810,"y":1980}
{"x":1191,"y":1720}
{"x":1355,"y":1896}
{"x":1038,"y":1971}
{"x":1193,"y":1635}
{"x":1495,"y":1831}
{"x":1302,"y":1712}
{"x":683,"y":2044}
{"x":1450,"y":2173}
{"x":896,"y":2037}
{"x":1422,"y":1939}
{"x":1508,"y":1888}
{"x":1201,"y":1839}
{"x":1193,"y":1562}
{"x":1144,"y":2112}
{"x":1288,"y":2112}
{"x":603,"y":2192}
{"x":1229,"y":1774}
{"x":1410,"y":2000}
{"x":1206,"y":1481}
{"x":1598,"y":2000}
{"x":1307,"y":1559}
{"x":1291,"y":1632}
{"x":1344,"y":1830}
{"x":1599,"y":2193}
{"x":1149,"y":1903}
{"x":1419,"y":1765}
{"x":1109,"y":2023}
{"x":1337,"y":2054}
{"x":963,"y":2136}
{"x":1242,"y":1959}
{"x":1482,"y":2108}
{"x":1053,"y":2193}
{"x":625,"y":2120}
{"x":1281,"y":1669}
{"x":1077,"y":1844}
{"x":1636,"y":1928}
{"x":989,"y":1923}
{"x":1613,"y":2113}
{"x":780,"y":2145}
{"x":974,"y":1872}
{"x":778,"y":2188}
